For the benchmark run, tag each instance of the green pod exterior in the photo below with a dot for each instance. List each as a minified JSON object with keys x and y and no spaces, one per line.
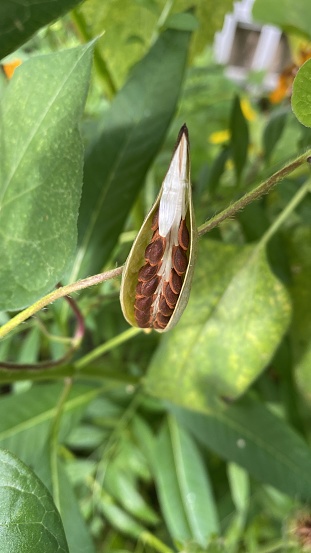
{"x":136,"y":259}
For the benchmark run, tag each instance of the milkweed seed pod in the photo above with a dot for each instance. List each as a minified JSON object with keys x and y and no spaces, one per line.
{"x":158,"y":272}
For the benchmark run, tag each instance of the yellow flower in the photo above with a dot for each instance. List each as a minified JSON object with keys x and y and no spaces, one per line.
{"x":248,"y":112}
{"x":219,"y":137}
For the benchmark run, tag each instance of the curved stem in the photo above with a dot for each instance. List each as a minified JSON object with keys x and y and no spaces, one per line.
{"x":248,"y":198}
{"x":283,"y":216}
{"x":103,"y":348}
{"x":75,"y":343}
{"x":262,"y":189}
{"x":56,"y":294}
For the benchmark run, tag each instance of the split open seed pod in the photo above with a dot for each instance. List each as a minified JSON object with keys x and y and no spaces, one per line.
{"x":157,"y":275}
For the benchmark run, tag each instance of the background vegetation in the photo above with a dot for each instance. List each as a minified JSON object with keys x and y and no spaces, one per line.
{"x":113,"y":439}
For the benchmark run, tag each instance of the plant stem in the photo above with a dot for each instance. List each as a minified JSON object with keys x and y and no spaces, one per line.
{"x":262,"y":189}
{"x":103,"y":348}
{"x":100,"y":64}
{"x":56,"y":294}
{"x":154,"y":542}
{"x":298,"y":197}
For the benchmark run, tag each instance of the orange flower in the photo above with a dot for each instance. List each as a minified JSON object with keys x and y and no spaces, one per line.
{"x":286,"y":78}
{"x":10,"y":66}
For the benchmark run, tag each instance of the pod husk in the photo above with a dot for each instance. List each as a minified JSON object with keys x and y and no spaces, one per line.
{"x":136,"y":259}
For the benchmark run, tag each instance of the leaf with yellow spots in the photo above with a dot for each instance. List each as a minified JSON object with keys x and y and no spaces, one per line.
{"x":236,"y":317}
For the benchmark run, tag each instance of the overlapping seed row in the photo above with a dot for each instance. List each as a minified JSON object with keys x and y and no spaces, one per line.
{"x":156,"y":298}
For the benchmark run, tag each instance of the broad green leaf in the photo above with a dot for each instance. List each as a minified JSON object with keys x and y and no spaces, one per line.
{"x":29,"y":520}
{"x":301,"y":94}
{"x":248,"y":434}
{"x":41,"y":160}
{"x":25,"y":418}
{"x":183,"y":486}
{"x":299,"y":246}
{"x":239,"y":137}
{"x":290,"y":15}
{"x":236,"y":317}
{"x":273,"y":131}
{"x":19,"y":20}
{"x":120,"y":154}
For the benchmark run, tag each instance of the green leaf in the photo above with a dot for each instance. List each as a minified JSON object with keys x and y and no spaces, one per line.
{"x":119,"y":518}
{"x":119,"y":156}
{"x":301,"y":94}
{"x":77,"y":533}
{"x":248,"y":434}
{"x":299,"y":247}
{"x":217,"y":169}
{"x":239,"y":486}
{"x":290,"y":15}
{"x":19,"y":20}
{"x":121,"y":484}
{"x":182,"y":21}
{"x":131,"y":26}
{"x":239,"y":137}
{"x":236,"y":317}
{"x":273,"y":131}
{"x":183,"y":486}
{"x":25,"y":418}
{"x":41,"y":173}
{"x":29,"y":520}
{"x":30,"y":347}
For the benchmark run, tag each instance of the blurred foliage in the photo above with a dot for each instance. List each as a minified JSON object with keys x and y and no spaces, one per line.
{"x":130,"y":27}
{"x":198,"y":440}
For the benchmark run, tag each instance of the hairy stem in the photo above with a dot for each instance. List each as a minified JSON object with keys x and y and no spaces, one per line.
{"x":253,"y":195}
{"x":262,"y":189}
{"x":56,"y":294}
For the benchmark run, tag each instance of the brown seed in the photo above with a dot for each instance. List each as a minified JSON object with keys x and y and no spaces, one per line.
{"x":179,"y":260}
{"x":147,"y":272}
{"x":175,"y":282}
{"x":158,"y":326}
{"x":155,"y":235}
{"x":154,"y":251}
{"x":170,"y":297}
{"x":148,"y":288}
{"x":164,"y":308}
{"x":144,"y":303}
{"x":155,"y":221}
{"x":138,"y":290}
{"x":162,"y":319}
{"x":142,"y":318}
{"x":183,"y":235}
